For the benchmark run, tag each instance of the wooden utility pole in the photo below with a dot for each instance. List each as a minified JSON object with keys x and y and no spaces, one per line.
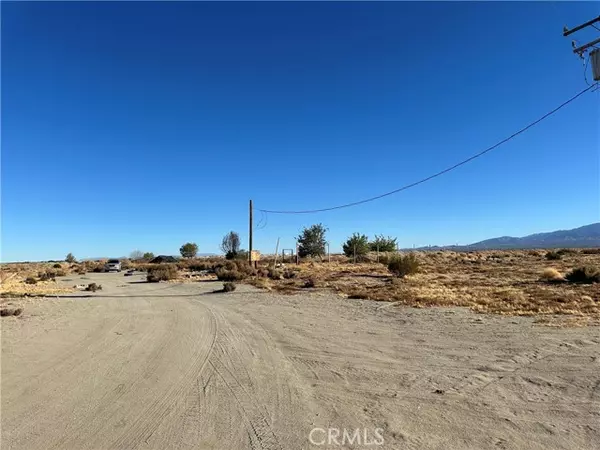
{"x":250,"y":237}
{"x":276,"y":253}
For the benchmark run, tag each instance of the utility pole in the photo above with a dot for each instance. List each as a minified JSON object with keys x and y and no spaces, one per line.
{"x":582,"y":49}
{"x":276,"y":253}
{"x":250,"y":237}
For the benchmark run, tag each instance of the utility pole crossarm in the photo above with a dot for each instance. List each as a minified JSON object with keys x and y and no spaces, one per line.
{"x":567,"y":32}
{"x":586,"y":46}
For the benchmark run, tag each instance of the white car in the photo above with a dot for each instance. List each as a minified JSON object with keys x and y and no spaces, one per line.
{"x":113,"y":265}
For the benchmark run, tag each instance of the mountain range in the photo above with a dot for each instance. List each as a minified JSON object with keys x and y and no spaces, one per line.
{"x":582,"y":237}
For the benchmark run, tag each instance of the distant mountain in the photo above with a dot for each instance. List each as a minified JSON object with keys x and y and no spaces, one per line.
{"x":582,"y":237}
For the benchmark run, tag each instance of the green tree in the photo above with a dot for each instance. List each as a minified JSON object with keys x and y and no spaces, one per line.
{"x":311,"y":241}
{"x":385,"y":244}
{"x":70,"y":258}
{"x":189,"y":250}
{"x":231,"y":245}
{"x":148,"y":256}
{"x":356,"y":245}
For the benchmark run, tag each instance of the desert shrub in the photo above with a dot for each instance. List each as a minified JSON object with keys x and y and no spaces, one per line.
{"x":553,"y":255}
{"x":356,"y":245}
{"x":591,"y":251}
{"x":189,"y":250}
{"x":197,"y":267}
{"x":30,"y":280}
{"x":229,"y":286}
{"x":262,"y":272}
{"x":125,"y":264}
{"x":98,"y":269}
{"x":47,"y":275}
{"x":4,"y":312}
{"x":585,"y":274}
{"x":551,"y":274}
{"x":383,"y":244}
{"x":275,"y":274}
{"x":311,"y":241}
{"x":93,"y":287}
{"x":244,"y":267}
{"x":288,"y":274}
{"x":57,"y":266}
{"x":163,"y":272}
{"x":384,"y":259}
{"x":242,"y":255}
{"x":402,"y":266}
{"x":60,"y":273}
{"x":224,"y":274}
{"x":567,"y":251}
{"x":310,"y":283}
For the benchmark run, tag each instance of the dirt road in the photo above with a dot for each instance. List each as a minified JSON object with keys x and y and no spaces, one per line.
{"x":174,"y":366}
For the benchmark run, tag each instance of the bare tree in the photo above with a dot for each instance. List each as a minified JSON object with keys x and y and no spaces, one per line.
{"x":135,"y":255}
{"x":231,"y":245}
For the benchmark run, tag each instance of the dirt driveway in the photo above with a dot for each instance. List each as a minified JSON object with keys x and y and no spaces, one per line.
{"x":174,"y":366}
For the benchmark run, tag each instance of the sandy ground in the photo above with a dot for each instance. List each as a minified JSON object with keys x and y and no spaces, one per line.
{"x":174,"y":366}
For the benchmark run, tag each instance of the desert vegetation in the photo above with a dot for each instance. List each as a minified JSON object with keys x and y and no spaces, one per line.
{"x":229,"y":287}
{"x":356,"y":247}
{"x":189,"y":250}
{"x":509,"y":282}
{"x":6,"y":312}
{"x":312,"y":241}
{"x":230,"y":245}
{"x":162,"y":272}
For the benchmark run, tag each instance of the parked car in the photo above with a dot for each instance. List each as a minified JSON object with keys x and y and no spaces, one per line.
{"x":113,"y":265}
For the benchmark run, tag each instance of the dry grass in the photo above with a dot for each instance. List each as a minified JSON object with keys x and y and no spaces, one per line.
{"x":551,"y":274}
{"x":515,"y":282}
{"x":501,"y":282}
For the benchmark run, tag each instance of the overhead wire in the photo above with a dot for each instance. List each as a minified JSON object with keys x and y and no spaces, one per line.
{"x":585,"y":66}
{"x":263,"y":217}
{"x":435,"y":175}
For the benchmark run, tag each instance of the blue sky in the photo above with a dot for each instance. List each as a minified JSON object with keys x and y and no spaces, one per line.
{"x":131,"y":125}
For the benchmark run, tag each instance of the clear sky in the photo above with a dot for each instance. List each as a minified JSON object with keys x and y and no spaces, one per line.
{"x":130,"y":125}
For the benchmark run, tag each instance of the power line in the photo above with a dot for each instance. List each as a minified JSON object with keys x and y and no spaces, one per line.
{"x":408,"y":186}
